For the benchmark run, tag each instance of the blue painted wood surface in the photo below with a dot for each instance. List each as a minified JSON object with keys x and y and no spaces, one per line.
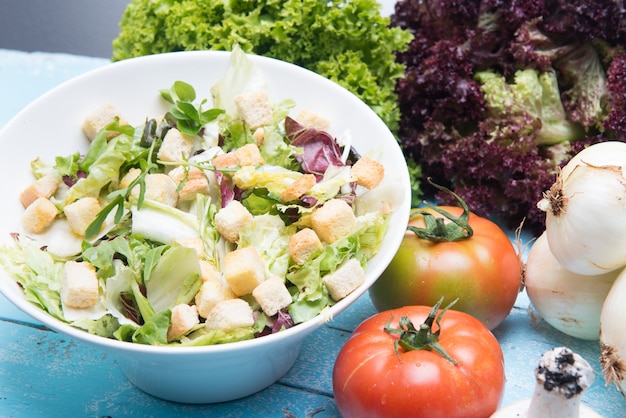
{"x":45,"y":374}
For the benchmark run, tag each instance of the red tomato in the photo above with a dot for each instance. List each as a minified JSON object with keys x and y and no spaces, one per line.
{"x":372,"y":379}
{"x":483,"y":271}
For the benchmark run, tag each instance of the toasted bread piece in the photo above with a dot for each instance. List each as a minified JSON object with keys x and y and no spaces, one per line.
{"x":303,"y":244}
{"x":42,"y":187}
{"x":230,"y":314}
{"x":79,"y":285}
{"x":272,"y":295}
{"x":368,"y":172}
{"x":243,"y":270}
{"x":333,"y":220}
{"x":345,"y":279}
{"x":39,"y":215}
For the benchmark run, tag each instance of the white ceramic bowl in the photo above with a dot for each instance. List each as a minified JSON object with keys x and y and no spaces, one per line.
{"x":51,"y":126}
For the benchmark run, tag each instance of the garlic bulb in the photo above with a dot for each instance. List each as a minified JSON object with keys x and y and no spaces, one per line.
{"x":586,"y":210}
{"x":613,"y":335}
{"x":567,"y":301}
{"x":562,"y":377}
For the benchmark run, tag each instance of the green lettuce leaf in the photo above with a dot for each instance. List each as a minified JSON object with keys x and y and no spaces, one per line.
{"x":175,"y":279}
{"x":270,"y":236}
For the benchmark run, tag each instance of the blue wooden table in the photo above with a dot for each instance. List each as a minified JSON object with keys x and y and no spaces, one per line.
{"x":45,"y":374}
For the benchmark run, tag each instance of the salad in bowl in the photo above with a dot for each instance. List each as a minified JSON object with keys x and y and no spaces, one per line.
{"x":198,"y":213}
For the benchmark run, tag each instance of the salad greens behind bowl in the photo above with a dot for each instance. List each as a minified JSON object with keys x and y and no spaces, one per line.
{"x":166,"y":84}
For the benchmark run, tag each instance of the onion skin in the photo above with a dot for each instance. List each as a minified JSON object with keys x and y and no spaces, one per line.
{"x":613,"y":335}
{"x":569,"y":302}
{"x":586,"y":210}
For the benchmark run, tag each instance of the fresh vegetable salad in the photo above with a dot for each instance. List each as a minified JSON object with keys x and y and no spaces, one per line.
{"x":219,"y":221}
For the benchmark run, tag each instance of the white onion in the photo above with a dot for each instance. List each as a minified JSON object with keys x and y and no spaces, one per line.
{"x":613,"y":334}
{"x":568,"y":301}
{"x":586,"y":210}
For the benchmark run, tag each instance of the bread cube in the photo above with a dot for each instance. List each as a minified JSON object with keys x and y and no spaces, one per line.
{"x":254,"y":108}
{"x":303,"y":244}
{"x":225,"y":160}
{"x":309,"y":119}
{"x":259,"y":135}
{"x":209,"y":272}
{"x":159,"y":187}
{"x":333,"y":220}
{"x":243,"y":270}
{"x":345,"y":279}
{"x":79,"y":285}
{"x":299,"y":187}
{"x":81,"y":213}
{"x":39,"y":215}
{"x":368,"y":172}
{"x":99,"y":119}
{"x":191,"y":180}
{"x":129,"y":177}
{"x":42,"y":187}
{"x":230,"y":314}
{"x":210,"y":294}
{"x":184,"y":318}
{"x":249,"y":155}
{"x":176,"y":146}
{"x":272,"y":295}
{"x":231,"y":219}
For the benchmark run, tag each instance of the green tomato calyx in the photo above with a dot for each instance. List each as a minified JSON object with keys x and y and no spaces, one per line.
{"x":437,"y":229}
{"x":422,"y":338}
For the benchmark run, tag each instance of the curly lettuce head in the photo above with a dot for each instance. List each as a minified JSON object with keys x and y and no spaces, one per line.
{"x":347,"y":42}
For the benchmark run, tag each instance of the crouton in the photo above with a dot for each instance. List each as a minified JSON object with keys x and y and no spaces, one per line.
{"x":81,"y":213}
{"x":129,"y":177}
{"x":254,"y":108}
{"x":249,"y":155}
{"x":231,"y":219}
{"x":259,"y":135}
{"x":303,"y":244}
{"x":191,"y":181}
{"x":243,"y":270}
{"x":209,"y":272}
{"x":368,"y":172}
{"x":39,"y":215}
{"x":309,"y":119}
{"x":272,"y":295}
{"x":299,"y":187}
{"x":333,"y":220}
{"x":42,"y":187}
{"x":210,"y":294}
{"x":176,"y":146}
{"x":345,"y":279}
{"x":225,"y":160}
{"x":230,"y":314}
{"x":159,"y":187}
{"x":79,"y":285}
{"x":99,"y":119}
{"x":184,"y":318}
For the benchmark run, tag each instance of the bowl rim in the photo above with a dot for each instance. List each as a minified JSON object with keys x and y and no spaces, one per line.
{"x":298,"y":331}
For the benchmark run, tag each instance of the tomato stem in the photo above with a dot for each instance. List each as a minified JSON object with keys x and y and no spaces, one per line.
{"x":437,"y":229}
{"x":423,"y":338}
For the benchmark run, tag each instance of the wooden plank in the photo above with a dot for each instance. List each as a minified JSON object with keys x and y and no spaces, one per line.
{"x":43,"y":373}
